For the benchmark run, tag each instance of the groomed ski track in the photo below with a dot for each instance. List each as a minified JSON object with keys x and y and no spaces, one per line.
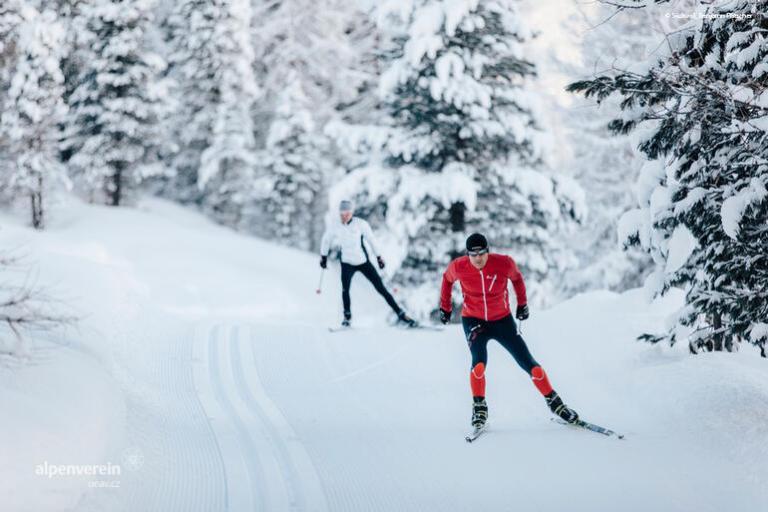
{"x":306,"y":420}
{"x":266,"y":465}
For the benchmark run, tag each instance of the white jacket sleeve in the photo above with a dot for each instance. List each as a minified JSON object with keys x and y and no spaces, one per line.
{"x":368,"y":235}
{"x":325,"y":243}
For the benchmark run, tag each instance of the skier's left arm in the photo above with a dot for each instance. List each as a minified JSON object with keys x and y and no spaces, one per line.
{"x":368,"y":235}
{"x":514,"y":275}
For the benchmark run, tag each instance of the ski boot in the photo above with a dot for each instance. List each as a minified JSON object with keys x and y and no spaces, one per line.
{"x":347,"y":319}
{"x":479,"y":412}
{"x":557,"y":406}
{"x":406,"y":320}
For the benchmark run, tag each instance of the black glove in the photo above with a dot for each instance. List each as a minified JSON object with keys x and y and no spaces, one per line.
{"x":380,"y":262}
{"x":445,"y":316}
{"x":522,"y":312}
{"x":323,"y":261}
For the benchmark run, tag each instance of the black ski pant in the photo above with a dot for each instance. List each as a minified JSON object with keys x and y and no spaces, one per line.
{"x":347,"y":271}
{"x":479,"y":332}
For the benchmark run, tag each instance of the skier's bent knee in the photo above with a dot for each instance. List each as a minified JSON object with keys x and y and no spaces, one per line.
{"x":540,"y":380}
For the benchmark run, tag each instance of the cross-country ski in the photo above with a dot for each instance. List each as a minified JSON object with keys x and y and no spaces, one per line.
{"x":340,"y":328}
{"x":579,"y":423}
{"x":476,"y":433}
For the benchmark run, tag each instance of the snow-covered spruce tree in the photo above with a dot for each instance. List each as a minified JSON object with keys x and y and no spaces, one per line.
{"x":193,"y":63}
{"x":32,"y":106}
{"x":606,"y":164}
{"x":310,"y":56}
{"x":703,"y":204}
{"x":226,"y":175}
{"x":10,"y":18}
{"x":318,"y":43}
{"x":460,"y":149}
{"x":113,"y":127}
{"x":293,"y":167}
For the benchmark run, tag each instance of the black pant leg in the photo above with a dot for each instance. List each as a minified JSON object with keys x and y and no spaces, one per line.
{"x":505,"y":332}
{"x":347,"y":271}
{"x":477,"y":339}
{"x":375,"y":279}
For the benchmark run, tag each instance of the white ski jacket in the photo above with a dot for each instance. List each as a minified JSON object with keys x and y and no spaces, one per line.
{"x":351,"y":238}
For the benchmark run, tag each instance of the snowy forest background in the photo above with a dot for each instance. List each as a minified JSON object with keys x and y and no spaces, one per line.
{"x":604,"y":145}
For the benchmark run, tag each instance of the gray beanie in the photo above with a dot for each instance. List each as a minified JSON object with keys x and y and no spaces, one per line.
{"x":345,"y":206}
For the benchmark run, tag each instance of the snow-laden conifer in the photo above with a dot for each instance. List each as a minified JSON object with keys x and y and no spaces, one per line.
{"x":113,"y":127}
{"x":702,"y":202}
{"x":31,"y":97}
{"x":458,"y":146}
{"x":227,"y":165}
{"x":292,"y":171}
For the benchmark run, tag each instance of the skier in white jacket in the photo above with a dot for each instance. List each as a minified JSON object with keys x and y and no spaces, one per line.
{"x":351,"y":235}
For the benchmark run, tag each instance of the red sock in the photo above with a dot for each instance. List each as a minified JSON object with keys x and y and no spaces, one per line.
{"x":477,"y":380}
{"x":540,"y":380}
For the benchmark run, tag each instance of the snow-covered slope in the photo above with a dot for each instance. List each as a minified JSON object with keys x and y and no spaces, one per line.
{"x":204,"y":368}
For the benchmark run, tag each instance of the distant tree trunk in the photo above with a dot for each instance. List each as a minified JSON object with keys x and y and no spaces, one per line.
{"x":41,"y":210}
{"x":717,"y":323}
{"x":36,"y":199}
{"x":117,"y":182}
{"x":729,"y":343}
{"x":458,"y":220}
{"x":457,"y":213}
{"x":718,"y":342}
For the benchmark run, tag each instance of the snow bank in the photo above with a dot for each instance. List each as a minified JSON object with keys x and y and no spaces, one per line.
{"x":59,"y":407}
{"x":61,"y":404}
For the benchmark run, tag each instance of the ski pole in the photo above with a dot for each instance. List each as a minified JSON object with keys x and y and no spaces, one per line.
{"x":320,"y":284}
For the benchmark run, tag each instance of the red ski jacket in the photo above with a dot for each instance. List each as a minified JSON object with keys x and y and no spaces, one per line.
{"x":485,"y":291}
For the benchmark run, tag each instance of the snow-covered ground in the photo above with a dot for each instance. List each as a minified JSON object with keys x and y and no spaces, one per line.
{"x":203,"y":367}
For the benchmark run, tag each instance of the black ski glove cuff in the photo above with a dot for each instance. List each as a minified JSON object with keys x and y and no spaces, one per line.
{"x":445,"y":316}
{"x":522,"y":312}
{"x":323,"y":261}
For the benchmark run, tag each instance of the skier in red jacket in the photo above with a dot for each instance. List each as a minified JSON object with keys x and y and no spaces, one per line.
{"x":486,"y":315}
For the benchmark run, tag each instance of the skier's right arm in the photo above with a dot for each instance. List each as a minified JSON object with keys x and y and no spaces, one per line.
{"x":325,"y":247}
{"x":449,"y":277}
{"x":325,"y":242}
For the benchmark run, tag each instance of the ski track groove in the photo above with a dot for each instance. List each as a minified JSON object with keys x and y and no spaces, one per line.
{"x":347,"y":480}
{"x":174,"y":437}
{"x":299,"y":472}
{"x":202,"y":487}
{"x":265,"y":464}
{"x":204,"y":472}
{"x":241,"y":459}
